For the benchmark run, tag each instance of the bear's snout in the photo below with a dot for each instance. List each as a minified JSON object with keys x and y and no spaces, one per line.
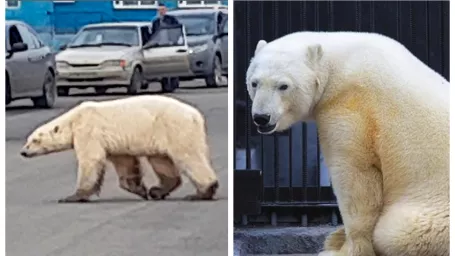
{"x":261,"y":119}
{"x":25,"y":153}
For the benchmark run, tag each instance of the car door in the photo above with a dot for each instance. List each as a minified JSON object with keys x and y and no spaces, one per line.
{"x":224,"y":44}
{"x":17,"y":64}
{"x":167,"y":54}
{"x":46,"y":56}
{"x":34,"y":66}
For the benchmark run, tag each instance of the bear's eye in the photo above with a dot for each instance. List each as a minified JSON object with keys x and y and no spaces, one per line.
{"x":35,"y":141}
{"x":283,"y":87}
{"x":254,"y":85}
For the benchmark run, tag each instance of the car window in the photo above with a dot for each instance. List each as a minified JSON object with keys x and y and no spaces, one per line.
{"x":121,"y":35}
{"x":27,"y":37}
{"x":225,"y":27}
{"x":197,"y":24}
{"x":145,"y":33}
{"x":36,"y":38}
{"x":14,"y":36}
{"x":167,"y":36}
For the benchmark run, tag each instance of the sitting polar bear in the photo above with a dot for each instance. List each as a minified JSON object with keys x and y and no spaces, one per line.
{"x":170,"y":133}
{"x":383,"y":122}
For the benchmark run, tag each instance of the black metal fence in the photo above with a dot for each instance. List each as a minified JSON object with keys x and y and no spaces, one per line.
{"x":285,"y":173}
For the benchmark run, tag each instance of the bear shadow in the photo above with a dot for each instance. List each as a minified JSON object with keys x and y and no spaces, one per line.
{"x":116,"y":200}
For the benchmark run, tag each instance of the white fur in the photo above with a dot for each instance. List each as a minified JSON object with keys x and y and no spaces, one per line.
{"x":136,"y":126}
{"x":383,"y":121}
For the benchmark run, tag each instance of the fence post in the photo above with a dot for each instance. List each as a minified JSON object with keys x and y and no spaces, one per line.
{"x":274,"y":219}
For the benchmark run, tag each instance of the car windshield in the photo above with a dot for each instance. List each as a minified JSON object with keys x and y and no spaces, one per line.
{"x":196,"y":25}
{"x":127,"y":36}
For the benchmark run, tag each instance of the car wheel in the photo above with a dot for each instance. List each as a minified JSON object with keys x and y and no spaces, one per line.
{"x":169,"y":84}
{"x":100,"y":90}
{"x":8,"y":91}
{"x":63,"y":91}
{"x":136,"y":81}
{"x":216,"y":77}
{"x":47,"y":100}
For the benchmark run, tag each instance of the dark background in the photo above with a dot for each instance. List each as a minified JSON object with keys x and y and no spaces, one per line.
{"x":290,"y":161}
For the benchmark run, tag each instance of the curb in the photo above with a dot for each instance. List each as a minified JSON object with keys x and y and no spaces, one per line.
{"x":280,"y":240}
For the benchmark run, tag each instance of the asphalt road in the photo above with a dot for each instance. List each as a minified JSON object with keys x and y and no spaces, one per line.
{"x":117,"y":223}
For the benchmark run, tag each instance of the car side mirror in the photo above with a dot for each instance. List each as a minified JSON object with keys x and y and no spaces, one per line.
{"x":63,"y":47}
{"x":19,"y":47}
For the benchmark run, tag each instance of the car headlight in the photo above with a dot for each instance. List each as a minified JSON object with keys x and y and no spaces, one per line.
{"x":114,"y":63}
{"x":62,"y":64}
{"x":199,"y":48}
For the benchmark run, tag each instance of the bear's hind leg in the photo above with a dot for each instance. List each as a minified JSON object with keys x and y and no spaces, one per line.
{"x":198,"y":169}
{"x":168,"y":175}
{"x":130,"y":175}
{"x":335,"y":240}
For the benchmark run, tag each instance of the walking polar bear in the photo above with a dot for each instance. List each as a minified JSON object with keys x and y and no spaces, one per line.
{"x":383,"y":122}
{"x":169,"y":133}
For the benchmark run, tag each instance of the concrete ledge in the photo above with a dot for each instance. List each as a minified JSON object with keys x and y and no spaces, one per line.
{"x":280,"y":240}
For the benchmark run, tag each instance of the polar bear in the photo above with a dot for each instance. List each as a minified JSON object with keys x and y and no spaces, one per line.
{"x":383,"y":123}
{"x":172,"y":134}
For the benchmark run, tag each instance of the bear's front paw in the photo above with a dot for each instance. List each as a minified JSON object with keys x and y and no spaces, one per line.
{"x":156,"y":193}
{"x":360,"y":247}
{"x":74,"y":199}
{"x":330,"y":253}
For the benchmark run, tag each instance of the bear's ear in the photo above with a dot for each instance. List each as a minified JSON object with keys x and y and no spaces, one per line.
{"x":56,"y":128}
{"x":259,"y":46}
{"x":314,"y":53}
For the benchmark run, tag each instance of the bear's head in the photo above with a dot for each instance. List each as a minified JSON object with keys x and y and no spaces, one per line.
{"x":283,"y":84}
{"x":47,"y":139}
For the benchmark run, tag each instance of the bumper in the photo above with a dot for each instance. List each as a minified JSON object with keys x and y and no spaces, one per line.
{"x":105,"y":77}
{"x":201,"y":62}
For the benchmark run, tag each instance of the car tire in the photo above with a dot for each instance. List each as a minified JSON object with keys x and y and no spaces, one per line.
{"x":136,"y":81}
{"x":214,"y":79}
{"x":100,"y":90}
{"x":169,"y":84}
{"x":8,"y":98}
{"x":63,"y":91}
{"x":47,"y":100}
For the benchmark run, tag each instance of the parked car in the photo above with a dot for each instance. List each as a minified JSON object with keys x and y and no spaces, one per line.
{"x":29,"y":66}
{"x":123,"y":54}
{"x":207,"y":31}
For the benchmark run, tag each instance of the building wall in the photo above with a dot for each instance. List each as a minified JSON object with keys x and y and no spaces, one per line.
{"x":57,"y":22}
{"x":38,"y":14}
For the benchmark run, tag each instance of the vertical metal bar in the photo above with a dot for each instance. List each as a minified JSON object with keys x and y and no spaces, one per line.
{"x":261,"y":11}
{"x":303,"y":19}
{"x":372,"y":17}
{"x":398,"y":20}
{"x":275,"y":136}
{"x":305,"y":162}
{"x":318,"y":169}
{"x":291,"y":189}
{"x":248,"y":107}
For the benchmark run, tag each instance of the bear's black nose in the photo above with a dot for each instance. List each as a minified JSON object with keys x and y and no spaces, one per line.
{"x":23,"y":153}
{"x":261,"y":120}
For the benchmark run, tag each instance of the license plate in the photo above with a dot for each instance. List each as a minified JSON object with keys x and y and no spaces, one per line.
{"x":87,"y":74}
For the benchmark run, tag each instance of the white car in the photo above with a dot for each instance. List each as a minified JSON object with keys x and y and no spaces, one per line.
{"x":123,"y":54}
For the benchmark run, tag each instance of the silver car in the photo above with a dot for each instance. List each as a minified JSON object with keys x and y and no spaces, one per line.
{"x":29,"y":66}
{"x":123,"y":54}
{"x":207,"y":31}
